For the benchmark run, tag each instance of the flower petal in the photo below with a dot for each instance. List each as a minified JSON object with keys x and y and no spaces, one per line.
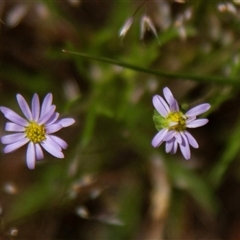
{"x":197,"y":123}
{"x":46,"y":104}
{"x":65,"y":122}
{"x":170,"y":99}
{"x":13,"y":127}
{"x":13,"y":146}
{"x":190,"y":119}
{"x":59,"y":141}
{"x":52,"y":119}
{"x":35,"y":107}
{"x":174,"y":106}
{"x":31,"y":156}
{"x":24,"y":107}
{"x":53,"y":128}
{"x":202,"y":108}
{"x":48,"y":114}
{"x":12,"y":138}
{"x":167,"y":94}
{"x":169,"y":146}
{"x":49,"y":141}
{"x":49,"y":147}
{"x":160,"y":105}
{"x":158,"y":139}
{"x":38,"y":151}
{"x":175,"y":146}
{"x":184,"y":147}
{"x":192,"y":141}
{"x":178,"y":138}
{"x":169,"y":135}
{"x":14,"y":117}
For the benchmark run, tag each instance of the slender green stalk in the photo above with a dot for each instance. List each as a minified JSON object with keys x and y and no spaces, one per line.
{"x":183,"y":76}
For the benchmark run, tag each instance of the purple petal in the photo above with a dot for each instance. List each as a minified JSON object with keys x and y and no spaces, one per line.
{"x":169,"y":146}
{"x":184,"y":147}
{"x":24,"y":107}
{"x":197,"y":123}
{"x":178,"y":138}
{"x":65,"y":122}
{"x":202,"y":108}
{"x":47,"y":145}
{"x":192,"y":141}
{"x":169,"y":135}
{"x":53,"y":128}
{"x":167,"y":94}
{"x":170,"y":99}
{"x":35,"y":107}
{"x":160,"y":105}
{"x":47,"y":102}
{"x":13,"y":146}
{"x":52,"y":119}
{"x":158,"y":139}
{"x":12,"y":138}
{"x":59,"y":141}
{"x":48,"y":114}
{"x":38,"y":151}
{"x":49,"y":141}
{"x":175,"y":146}
{"x":174,"y":106}
{"x":190,"y":119}
{"x":13,"y":127}
{"x":31,"y":156}
{"x":14,"y":117}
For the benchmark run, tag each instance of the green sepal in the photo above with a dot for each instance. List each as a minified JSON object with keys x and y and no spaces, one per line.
{"x":159,"y":121}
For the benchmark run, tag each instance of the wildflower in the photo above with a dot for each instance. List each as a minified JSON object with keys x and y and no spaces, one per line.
{"x":172,"y":124}
{"x":36,"y":129}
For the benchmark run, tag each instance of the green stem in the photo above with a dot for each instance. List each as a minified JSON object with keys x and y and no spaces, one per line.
{"x":198,"y":78}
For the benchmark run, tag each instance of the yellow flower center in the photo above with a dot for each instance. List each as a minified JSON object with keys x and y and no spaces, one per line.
{"x":178,"y":118}
{"x":36,"y":133}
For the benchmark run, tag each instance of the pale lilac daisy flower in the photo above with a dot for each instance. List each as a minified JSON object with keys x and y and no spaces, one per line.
{"x":36,"y":129}
{"x":172,"y":124}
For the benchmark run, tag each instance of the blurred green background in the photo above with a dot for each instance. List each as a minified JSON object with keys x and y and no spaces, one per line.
{"x":112,"y":184}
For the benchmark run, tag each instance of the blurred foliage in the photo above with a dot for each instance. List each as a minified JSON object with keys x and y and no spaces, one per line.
{"x":112,"y":184}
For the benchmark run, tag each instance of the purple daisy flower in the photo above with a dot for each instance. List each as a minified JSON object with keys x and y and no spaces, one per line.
{"x":35,"y":130}
{"x":172,"y":124}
